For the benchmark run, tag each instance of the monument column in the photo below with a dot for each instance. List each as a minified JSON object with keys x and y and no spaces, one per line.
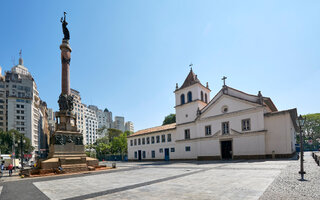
{"x":65,"y":62}
{"x":66,"y":143}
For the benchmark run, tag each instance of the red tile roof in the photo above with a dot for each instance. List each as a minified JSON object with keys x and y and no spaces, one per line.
{"x":154,"y":129}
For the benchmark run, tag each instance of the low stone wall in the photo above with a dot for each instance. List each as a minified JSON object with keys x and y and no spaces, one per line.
{"x":316,"y":157}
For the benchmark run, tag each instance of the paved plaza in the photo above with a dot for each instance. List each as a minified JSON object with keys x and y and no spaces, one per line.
{"x":163,"y":180}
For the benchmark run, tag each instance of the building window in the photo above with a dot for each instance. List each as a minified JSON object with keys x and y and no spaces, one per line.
{"x":188,"y":148}
{"x":169,"y":137}
{"x":143,"y":141}
{"x":208,"y":130}
{"x":148,"y":140}
{"x":163,"y":138}
{"x":143,"y":154}
{"x":189,"y":97}
{"x":205,"y":98}
{"x":172,"y":149}
{"x":135,"y":154}
{"x":182,"y":99}
{"x":187,"y":134}
{"x":139,"y":141}
{"x":225,"y":127}
{"x":22,"y":106}
{"x":131,"y":142}
{"x":18,"y":106}
{"x":153,"y":154}
{"x":161,"y":150}
{"x":201,"y":96}
{"x":158,"y":138}
{"x":152,"y":139}
{"x":246,"y":125}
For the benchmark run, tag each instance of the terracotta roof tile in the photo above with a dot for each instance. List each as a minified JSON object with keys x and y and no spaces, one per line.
{"x":154,"y":129}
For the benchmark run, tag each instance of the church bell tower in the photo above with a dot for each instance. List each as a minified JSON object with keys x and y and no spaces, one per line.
{"x":191,"y":97}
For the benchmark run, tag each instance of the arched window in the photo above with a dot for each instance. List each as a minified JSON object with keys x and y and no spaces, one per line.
{"x":201,"y":96}
{"x":206,"y":98}
{"x":182,"y":99}
{"x":189,"y":97}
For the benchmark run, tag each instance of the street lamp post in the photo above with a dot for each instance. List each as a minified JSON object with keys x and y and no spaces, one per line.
{"x":21,"y":149}
{"x":300,"y":122}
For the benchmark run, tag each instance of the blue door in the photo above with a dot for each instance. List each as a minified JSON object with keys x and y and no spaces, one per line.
{"x":166,"y":154}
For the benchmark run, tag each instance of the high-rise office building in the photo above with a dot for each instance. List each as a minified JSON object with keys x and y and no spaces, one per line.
{"x":20,"y":104}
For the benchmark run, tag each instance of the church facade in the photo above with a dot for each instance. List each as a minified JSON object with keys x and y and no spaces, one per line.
{"x":231,"y":125}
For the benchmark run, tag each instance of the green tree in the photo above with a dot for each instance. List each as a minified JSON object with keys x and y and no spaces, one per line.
{"x":6,"y":142}
{"x":118,"y":145}
{"x":114,"y":143}
{"x":128,"y":133}
{"x":113,"y":133}
{"x":102,"y":146}
{"x":312,"y":127}
{"x":169,"y":119}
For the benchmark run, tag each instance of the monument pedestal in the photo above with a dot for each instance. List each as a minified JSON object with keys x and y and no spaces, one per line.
{"x":66,"y":147}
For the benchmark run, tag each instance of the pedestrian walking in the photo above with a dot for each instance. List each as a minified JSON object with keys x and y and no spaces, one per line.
{"x":2,"y":168}
{"x":10,"y":167}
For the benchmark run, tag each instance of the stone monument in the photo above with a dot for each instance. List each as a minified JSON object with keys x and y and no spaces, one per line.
{"x":66,"y":148}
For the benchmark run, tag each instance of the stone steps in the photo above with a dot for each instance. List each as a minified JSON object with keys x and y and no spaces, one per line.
{"x":74,"y":167}
{"x":72,"y":160}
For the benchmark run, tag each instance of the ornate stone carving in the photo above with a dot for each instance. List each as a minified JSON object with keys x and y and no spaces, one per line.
{"x":78,"y":140}
{"x":65,"y":102}
{"x":69,"y":138}
{"x":64,"y":139}
{"x":59,"y":139}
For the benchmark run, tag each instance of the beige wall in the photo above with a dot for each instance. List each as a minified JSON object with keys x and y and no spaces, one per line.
{"x":280,"y":135}
{"x":249,"y":145}
{"x":210,"y":147}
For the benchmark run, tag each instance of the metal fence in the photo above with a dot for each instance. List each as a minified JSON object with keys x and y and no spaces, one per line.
{"x":307,"y":147}
{"x":112,"y":157}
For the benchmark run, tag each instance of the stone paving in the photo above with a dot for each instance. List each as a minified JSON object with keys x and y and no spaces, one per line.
{"x":252,"y":179}
{"x":288,"y":186}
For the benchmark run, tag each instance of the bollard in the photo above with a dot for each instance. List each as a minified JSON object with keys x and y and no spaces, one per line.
{"x":114,"y":165}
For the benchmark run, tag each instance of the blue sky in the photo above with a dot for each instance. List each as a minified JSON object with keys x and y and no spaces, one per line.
{"x":128,"y":55}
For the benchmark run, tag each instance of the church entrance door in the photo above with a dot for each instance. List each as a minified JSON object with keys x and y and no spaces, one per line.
{"x":139,"y":155}
{"x":166,"y":154}
{"x":226,"y":149}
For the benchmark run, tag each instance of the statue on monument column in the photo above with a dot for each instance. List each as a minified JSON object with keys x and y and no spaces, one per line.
{"x":64,"y":27}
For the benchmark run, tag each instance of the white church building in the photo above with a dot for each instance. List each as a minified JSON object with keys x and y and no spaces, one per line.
{"x":231,"y":125}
